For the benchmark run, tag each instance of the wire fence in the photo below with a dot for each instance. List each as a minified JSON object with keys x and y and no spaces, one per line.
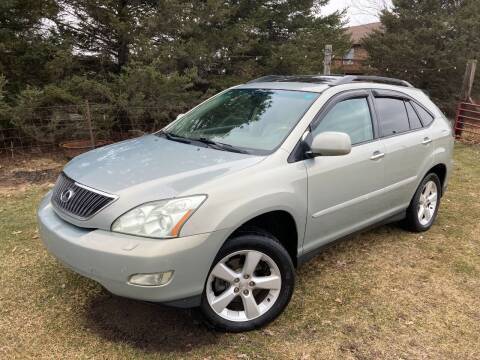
{"x":72,"y":129}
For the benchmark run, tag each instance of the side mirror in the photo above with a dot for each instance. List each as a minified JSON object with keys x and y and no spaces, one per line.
{"x":330,"y":143}
{"x":179,"y":116}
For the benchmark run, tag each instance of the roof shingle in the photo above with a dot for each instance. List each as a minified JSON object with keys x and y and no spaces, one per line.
{"x":357,"y":33}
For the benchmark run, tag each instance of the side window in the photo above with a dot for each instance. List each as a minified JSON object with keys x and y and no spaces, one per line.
{"x":412,"y":116}
{"x":392,"y":116}
{"x":424,"y":115}
{"x":350,"y":116}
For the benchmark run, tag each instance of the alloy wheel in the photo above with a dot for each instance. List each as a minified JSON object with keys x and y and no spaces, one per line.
{"x":243,"y":285}
{"x":427,"y":203}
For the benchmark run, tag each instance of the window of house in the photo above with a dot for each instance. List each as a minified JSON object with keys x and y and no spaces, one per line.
{"x":392,"y":116}
{"x":351,"y":117}
{"x":349,"y":56}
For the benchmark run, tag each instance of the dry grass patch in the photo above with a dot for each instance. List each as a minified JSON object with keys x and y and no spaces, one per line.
{"x":383,"y":294}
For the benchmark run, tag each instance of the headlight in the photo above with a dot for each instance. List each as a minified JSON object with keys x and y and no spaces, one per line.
{"x":158,"y":219}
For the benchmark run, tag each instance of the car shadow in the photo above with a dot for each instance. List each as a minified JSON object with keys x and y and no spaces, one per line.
{"x":149,"y":327}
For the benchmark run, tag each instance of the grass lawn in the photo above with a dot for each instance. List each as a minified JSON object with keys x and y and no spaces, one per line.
{"x":384,"y":294}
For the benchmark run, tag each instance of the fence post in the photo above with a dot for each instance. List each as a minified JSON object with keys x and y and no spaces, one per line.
{"x":465,"y":95}
{"x":468,"y":80}
{"x":327,"y":61}
{"x":89,"y":123}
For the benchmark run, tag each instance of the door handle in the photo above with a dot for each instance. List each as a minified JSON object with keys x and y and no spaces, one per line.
{"x":426,"y":141}
{"x":377,"y":155}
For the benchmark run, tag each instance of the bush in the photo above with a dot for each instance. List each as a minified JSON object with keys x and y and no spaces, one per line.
{"x":58,"y":112}
{"x":4,"y":108}
{"x":141,"y":98}
{"x":149,"y":99}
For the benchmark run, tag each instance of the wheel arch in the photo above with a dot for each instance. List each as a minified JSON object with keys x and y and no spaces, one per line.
{"x":278,"y":222}
{"x":440,"y":170}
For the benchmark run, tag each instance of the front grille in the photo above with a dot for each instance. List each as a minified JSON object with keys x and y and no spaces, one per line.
{"x":78,"y":200}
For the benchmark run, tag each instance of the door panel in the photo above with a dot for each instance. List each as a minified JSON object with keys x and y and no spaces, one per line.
{"x":343,"y":190}
{"x":407,"y":146}
{"x":344,"y":193}
{"x":405,"y":158}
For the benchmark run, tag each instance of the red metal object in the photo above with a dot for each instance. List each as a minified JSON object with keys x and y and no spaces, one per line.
{"x":467,"y":119}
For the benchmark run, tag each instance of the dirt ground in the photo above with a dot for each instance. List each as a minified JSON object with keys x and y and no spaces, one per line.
{"x":22,"y":172}
{"x":383,"y":294}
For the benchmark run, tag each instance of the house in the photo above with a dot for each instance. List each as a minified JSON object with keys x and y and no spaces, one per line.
{"x":353,"y":61}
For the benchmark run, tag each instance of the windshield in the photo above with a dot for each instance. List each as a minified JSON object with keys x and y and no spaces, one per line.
{"x":252,"y":119}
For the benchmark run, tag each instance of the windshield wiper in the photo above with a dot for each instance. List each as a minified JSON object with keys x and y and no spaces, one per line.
{"x":172,"y":137}
{"x":203,"y":140}
{"x":219,"y":145}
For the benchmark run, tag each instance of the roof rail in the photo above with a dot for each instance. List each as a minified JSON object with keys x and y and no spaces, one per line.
{"x":378,"y":79}
{"x":331,"y":80}
{"x":267,"y":78}
{"x":315,"y":79}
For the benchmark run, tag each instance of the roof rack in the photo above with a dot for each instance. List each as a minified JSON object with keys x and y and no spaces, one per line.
{"x":331,"y":80}
{"x":376,"y":79}
{"x":316,"y":79}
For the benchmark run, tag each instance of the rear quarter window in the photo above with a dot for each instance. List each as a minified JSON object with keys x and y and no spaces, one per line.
{"x":412,"y":116}
{"x":425,"y":116}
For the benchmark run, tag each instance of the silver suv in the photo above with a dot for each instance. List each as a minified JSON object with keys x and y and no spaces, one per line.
{"x":218,"y":208}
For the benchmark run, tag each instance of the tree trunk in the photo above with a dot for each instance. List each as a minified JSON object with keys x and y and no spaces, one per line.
{"x":123,"y":53}
{"x":123,"y":35}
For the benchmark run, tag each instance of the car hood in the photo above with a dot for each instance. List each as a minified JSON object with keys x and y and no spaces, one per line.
{"x":154,"y":165}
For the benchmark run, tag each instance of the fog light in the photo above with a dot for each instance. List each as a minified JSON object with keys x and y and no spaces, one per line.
{"x":154,"y":279}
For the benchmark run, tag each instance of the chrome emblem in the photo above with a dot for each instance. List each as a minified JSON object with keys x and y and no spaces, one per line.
{"x":66,"y":195}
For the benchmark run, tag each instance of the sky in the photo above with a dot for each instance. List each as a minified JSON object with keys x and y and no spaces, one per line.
{"x":358,"y":11}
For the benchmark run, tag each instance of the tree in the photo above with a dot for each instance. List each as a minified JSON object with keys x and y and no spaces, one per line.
{"x":229,"y":41}
{"x":233,"y":39}
{"x":151,"y":99}
{"x":145,"y":61}
{"x":369,"y":8}
{"x":26,"y":43}
{"x":106,"y":29}
{"x":427,"y":43}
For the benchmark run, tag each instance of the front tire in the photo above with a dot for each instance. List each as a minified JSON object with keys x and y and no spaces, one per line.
{"x":423,"y":208}
{"x":250,"y":283}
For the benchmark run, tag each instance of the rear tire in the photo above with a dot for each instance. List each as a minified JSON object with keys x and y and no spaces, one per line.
{"x":249,"y":284}
{"x":423,"y":208}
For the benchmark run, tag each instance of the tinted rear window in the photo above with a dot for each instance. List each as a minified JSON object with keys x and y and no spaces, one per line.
{"x":424,"y":115}
{"x":392,"y":116}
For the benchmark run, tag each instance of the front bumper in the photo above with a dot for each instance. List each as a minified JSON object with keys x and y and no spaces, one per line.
{"x":111,"y":258}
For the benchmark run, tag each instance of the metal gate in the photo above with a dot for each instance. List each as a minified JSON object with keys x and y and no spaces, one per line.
{"x":467,"y":120}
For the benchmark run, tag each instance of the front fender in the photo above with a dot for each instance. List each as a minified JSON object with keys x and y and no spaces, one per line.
{"x":234,"y":201}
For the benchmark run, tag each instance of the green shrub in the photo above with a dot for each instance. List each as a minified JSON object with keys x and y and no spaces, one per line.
{"x":150,"y":99}
{"x":4,"y":107}
{"x":58,"y":112}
